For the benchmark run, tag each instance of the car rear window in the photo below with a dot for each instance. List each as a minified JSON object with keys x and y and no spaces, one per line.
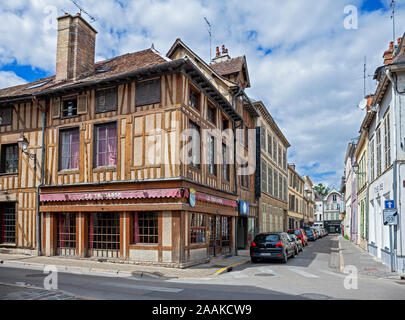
{"x":297,"y":232}
{"x":267,"y":238}
{"x":308,"y":231}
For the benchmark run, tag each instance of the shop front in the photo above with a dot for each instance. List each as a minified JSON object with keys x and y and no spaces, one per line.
{"x":152,"y":226}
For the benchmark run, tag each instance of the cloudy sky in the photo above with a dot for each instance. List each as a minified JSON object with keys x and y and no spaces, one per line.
{"x":304,"y":64}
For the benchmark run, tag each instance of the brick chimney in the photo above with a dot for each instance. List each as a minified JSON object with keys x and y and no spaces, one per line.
{"x":389,"y":54}
{"x":220,"y":57}
{"x":76,"y":48}
{"x":369,"y":100}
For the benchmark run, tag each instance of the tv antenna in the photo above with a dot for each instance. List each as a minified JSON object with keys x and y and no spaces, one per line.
{"x":365,"y":74}
{"x":209,"y":29}
{"x":82,"y":10}
{"x":392,"y":6}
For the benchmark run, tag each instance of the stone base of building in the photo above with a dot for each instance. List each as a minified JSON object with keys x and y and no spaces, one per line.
{"x":20,"y":251}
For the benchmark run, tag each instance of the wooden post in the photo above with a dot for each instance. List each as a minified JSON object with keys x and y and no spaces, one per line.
{"x":81,"y":234}
{"x":124,"y":235}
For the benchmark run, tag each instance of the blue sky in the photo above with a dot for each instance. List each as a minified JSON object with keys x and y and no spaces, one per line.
{"x":303,"y":64}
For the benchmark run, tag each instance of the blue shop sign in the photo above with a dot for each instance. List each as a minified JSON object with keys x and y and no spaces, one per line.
{"x":243,"y":207}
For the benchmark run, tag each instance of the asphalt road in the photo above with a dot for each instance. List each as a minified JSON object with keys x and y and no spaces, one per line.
{"x":313,"y":274}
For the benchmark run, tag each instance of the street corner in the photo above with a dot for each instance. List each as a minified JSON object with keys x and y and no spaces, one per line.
{"x":230,"y":267}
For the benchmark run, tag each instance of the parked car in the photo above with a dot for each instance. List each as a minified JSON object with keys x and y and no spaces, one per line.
{"x":300,"y":233}
{"x":310,"y":234}
{"x":318,"y":230}
{"x":298,"y":243}
{"x":326,"y":231}
{"x":275,"y":245}
{"x":316,"y":233}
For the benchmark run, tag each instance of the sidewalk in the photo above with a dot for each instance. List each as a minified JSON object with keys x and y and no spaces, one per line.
{"x":366,"y":264}
{"x":216,"y":266}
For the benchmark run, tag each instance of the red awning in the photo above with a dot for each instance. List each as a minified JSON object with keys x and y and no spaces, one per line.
{"x":113,"y":195}
{"x":212,"y":199}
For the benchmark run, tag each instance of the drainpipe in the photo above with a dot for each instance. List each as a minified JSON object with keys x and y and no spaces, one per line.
{"x":235,"y":169}
{"x":38,"y":218}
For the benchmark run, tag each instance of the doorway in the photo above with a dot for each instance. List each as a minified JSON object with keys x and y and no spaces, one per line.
{"x":104,"y":235}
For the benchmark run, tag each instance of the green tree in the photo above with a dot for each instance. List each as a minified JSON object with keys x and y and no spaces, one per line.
{"x":322,"y":190}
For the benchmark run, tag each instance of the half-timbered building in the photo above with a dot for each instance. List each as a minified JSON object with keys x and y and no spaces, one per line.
{"x":95,"y":162}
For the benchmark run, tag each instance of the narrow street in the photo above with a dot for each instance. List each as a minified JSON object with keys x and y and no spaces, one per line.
{"x":313,"y":274}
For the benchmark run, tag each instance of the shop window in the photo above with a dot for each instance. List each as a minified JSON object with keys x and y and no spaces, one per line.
{"x":198,"y":228}
{"x":69,"y":149}
{"x":66,"y":233}
{"x":106,"y":145}
{"x":9,"y":158}
{"x":146,"y":228}
{"x":7,"y":223}
{"x":104,"y":231}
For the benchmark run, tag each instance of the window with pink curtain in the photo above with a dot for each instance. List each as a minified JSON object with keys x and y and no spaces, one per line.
{"x":106,"y":145}
{"x":69,"y":146}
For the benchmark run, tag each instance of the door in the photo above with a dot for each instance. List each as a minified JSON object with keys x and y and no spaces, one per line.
{"x":104,"y":235}
{"x":66,"y":234}
{"x":215,"y":235}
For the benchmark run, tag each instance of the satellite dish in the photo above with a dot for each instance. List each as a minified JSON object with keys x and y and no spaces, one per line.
{"x":363,"y":104}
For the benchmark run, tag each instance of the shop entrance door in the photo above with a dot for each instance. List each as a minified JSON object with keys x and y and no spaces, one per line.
{"x":215,"y":235}
{"x":220,"y":235}
{"x":104,"y":235}
{"x":66,"y":234}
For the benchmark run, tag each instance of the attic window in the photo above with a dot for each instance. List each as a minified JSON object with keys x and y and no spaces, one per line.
{"x":38,"y":84}
{"x":103,"y":70}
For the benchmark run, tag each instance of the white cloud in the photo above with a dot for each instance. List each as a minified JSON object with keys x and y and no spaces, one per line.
{"x":10,"y":79}
{"x":311,"y":81}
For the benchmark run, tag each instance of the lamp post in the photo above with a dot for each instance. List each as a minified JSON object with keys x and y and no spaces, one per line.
{"x":23,"y":146}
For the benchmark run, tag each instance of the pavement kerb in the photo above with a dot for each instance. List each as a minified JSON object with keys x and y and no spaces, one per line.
{"x":225,"y":269}
{"x":341,"y":259}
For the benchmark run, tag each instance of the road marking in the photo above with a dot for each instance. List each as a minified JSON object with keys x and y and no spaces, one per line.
{"x":269,"y":271}
{"x":303,"y":273}
{"x":148,"y":288}
{"x":333,"y":273}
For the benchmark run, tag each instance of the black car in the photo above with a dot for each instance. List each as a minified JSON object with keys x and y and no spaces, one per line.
{"x":310,"y":234}
{"x":276,"y":245}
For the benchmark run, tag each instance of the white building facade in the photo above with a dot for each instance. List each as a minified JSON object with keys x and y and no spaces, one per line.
{"x":386,"y":153}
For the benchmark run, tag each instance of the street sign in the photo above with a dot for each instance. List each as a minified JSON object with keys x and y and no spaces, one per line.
{"x":390,"y":217}
{"x":389,"y":204}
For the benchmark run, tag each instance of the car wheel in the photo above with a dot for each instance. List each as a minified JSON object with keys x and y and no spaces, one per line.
{"x":254,"y":260}
{"x":302,"y":248}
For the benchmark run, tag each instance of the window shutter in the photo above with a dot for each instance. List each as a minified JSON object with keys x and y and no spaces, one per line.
{"x":106,"y":100}
{"x":82,"y":104}
{"x":56,"y":108}
{"x":147,"y":92}
{"x":111,"y":99}
{"x":6,"y":113}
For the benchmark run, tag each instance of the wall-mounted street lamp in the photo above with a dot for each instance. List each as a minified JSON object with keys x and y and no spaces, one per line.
{"x":23,"y":146}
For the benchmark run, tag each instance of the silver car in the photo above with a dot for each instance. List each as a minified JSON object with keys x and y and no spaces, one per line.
{"x":297,"y":242}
